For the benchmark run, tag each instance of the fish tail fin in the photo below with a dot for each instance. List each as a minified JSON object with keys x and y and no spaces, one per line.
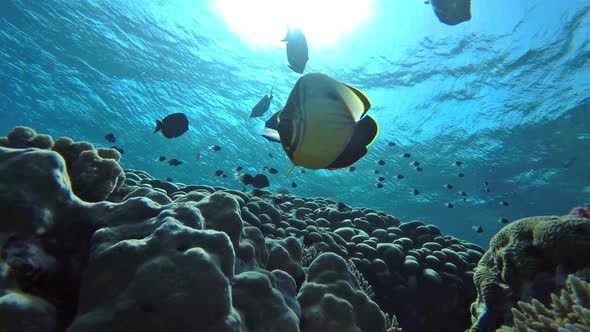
{"x":290,"y":170}
{"x":286,"y":39}
{"x":159,"y":125}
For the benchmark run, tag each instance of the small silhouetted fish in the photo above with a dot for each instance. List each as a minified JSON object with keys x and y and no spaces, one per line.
{"x":239,"y":168}
{"x":303,"y":171}
{"x":297,"y":53}
{"x":197,"y":157}
{"x":379,"y":185}
{"x":262,"y":106}
{"x":486,"y":183}
{"x":380,"y":162}
{"x":271,"y":155}
{"x":458,"y":163}
{"x":223,"y":176}
{"x":569,"y":162}
{"x":218,"y":172}
{"x":504,"y":203}
{"x":415,"y":192}
{"x":464,"y":199}
{"x":381,"y":178}
{"x":161,"y":158}
{"x":461,"y":175}
{"x":110,"y":138}
{"x":121,"y":151}
{"x":215,"y":147}
{"x":406,"y":155}
{"x":174,"y":162}
{"x":478,"y":229}
{"x":399,"y":176}
{"x":272,"y":170}
{"x":352,"y":168}
{"x":169,"y":180}
{"x":449,"y":205}
{"x":451,"y":12}
{"x":391,"y":144}
{"x":419,"y":169}
{"x":376,"y":171}
{"x":283,"y":191}
{"x":257,"y":181}
{"x":173,"y":125}
{"x":293,"y":184}
{"x":462,"y":193}
{"x":415,"y":163}
{"x":487,"y":190}
{"x":448,"y":186}
{"x":503,"y":221}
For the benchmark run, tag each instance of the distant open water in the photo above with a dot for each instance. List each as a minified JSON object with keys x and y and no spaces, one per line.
{"x":507,"y":93}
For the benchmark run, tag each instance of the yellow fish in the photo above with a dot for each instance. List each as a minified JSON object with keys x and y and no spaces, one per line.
{"x":323,"y":124}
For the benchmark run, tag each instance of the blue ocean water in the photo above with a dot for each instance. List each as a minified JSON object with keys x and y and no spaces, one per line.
{"x":507,"y":93}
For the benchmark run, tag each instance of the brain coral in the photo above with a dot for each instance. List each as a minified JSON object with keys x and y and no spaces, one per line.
{"x":522,"y":263}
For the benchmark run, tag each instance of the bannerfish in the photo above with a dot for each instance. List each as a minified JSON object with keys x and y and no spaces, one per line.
{"x":478,"y":229}
{"x":379,"y":185}
{"x":380,"y":162}
{"x":415,"y":163}
{"x":272,"y":170}
{"x":352,"y":169}
{"x":406,"y":155}
{"x":416,"y":192}
{"x":293,"y":184}
{"x":110,"y":138}
{"x":215,"y":148}
{"x":391,"y":143}
{"x":461,"y":175}
{"x":173,"y":125}
{"x":297,"y":53}
{"x":503,"y":221}
{"x":452,"y":12}
{"x":323,"y":124}
{"x":262,"y":106}
{"x":376,"y":171}
{"x":448,"y":186}
{"x":161,"y":158}
{"x":174,"y":162}
{"x":458,"y":163}
{"x":218,"y":172}
{"x":399,"y":176}
{"x":419,"y":169}
{"x":504,"y":203}
{"x":381,"y":178}
{"x":449,"y":205}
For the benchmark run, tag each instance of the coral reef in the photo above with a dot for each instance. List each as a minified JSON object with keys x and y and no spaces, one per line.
{"x":581,"y":211}
{"x":569,"y":311}
{"x":150,"y":254}
{"x":527,"y":259}
{"x":94,"y":173}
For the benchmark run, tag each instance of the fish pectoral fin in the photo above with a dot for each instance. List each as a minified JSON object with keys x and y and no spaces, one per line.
{"x":271,"y":135}
{"x":364,"y":134}
{"x":362,"y":97}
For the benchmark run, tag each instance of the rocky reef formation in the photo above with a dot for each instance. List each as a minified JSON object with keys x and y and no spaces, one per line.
{"x":528,"y":259}
{"x":86,"y":246}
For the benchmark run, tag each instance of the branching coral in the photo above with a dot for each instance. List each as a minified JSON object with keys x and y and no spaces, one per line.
{"x":568,"y":312}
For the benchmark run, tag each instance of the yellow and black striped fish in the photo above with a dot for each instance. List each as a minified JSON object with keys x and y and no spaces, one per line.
{"x":323,"y":124}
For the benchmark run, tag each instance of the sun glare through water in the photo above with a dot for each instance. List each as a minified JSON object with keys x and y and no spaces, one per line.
{"x":263,"y":23}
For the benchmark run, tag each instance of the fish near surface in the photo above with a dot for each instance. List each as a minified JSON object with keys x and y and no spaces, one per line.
{"x":173,"y":125}
{"x":323,"y":124}
{"x":262,"y":106}
{"x":297,"y":52}
{"x":452,"y":12}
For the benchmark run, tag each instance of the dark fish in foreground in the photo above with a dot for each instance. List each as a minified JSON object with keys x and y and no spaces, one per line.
{"x":262,"y":106}
{"x":110,"y":138}
{"x":258,"y":181}
{"x":297,"y":53}
{"x":451,"y":12}
{"x":173,"y":125}
{"x":174,"y":162}
{"x":121,"y":151}
{"x":323,"y":124}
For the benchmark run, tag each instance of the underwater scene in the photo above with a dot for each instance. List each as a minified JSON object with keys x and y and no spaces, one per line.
{"x":274,"y":165}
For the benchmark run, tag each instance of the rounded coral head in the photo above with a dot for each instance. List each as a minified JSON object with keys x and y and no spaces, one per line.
{"x":581,"y":211}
